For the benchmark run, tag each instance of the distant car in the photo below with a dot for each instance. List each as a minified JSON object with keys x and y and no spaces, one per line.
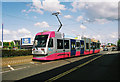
{"x":105,"y":49}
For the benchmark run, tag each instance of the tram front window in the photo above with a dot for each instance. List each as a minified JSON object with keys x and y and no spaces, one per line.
{"x":40,"y":40}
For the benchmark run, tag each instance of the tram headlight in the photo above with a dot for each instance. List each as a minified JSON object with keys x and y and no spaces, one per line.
{"x":33,"y":49}
{"x":42,"y":49}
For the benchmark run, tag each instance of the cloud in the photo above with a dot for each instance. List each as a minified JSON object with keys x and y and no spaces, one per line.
{"x":53,"y":5}
{"x":24,"y":31}
{"x":42,"y":24}
{"x":26,"y":36}
{"x":68,"y":16}
{"x":7,"y":40}
{"x":87,"y":36}
{"x":79,"y":18}
{"x":77,"y":5}
{"x":114,"y":35}
{"x":97,"y":10}
{"x":97,"y":37}
{"x":35,"y":17}
{"x":23,"y":11}
{"x":5,"y":31}
{"x":46,"y":5}
{"x":102,"y":21}
{"x":107,"y":10}
{"x":10,"y":35}
{"x":82,"y":27}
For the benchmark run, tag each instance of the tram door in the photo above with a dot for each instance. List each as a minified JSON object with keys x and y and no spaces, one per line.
{"x":73,"y":47}
{"x":93,"y":47}
{"x":81,"y":47}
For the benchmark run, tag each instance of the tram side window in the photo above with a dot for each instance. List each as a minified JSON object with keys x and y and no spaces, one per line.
{"x":50,"y":44}
{"x":95,"y":45}
{"x":59,"y":44}
{"x":78,"y":45}
{"x":98,"y":45}
{"x":87,"y":45}
{"x":66,"y":44}
{"x":91,"y":45}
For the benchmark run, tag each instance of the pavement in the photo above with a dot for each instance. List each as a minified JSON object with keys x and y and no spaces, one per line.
{"x":94,"y":67}
{"x":16,"y":60}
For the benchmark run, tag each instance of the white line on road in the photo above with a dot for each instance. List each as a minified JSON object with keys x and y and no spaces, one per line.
{"x":32,"y":62}
{"x":5,"y":71}
{"x":43,"y":63}
{"x":14,"y":69}
{"x":11,"y":67}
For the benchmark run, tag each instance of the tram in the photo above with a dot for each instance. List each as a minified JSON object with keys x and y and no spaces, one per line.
{"x":52,"y":45}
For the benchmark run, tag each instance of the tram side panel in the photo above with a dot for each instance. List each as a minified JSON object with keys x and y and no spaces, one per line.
{"x":51,"y":50}
{"x":77,"y":48}
{"x":59,"y":48}
{"x":67,"y":47}
{"x":62,"y":48}
{"x":86,"y":52}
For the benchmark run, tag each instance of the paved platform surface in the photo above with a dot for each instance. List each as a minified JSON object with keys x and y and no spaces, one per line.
{"x":16,"y":60}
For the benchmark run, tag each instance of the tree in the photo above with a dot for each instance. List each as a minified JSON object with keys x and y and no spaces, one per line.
{"x":12,"y":44}
{"x":17,"y":45}
{"x":5,"y":44}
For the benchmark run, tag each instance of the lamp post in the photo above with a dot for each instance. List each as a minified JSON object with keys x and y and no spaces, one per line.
{"x":2,"y":35}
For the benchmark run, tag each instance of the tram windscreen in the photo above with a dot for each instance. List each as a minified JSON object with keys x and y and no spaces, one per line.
{"x":40,"y":40}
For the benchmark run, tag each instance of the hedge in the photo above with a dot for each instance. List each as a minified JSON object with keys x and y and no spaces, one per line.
{"x":12,"y":53}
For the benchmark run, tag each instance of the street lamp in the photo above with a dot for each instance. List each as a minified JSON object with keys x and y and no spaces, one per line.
{"x":2,"y":35}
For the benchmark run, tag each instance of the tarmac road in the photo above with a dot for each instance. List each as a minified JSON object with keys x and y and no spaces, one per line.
{"x":103,"y":66}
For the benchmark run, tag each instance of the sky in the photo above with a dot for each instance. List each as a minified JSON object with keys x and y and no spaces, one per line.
{"x":97,"y":20}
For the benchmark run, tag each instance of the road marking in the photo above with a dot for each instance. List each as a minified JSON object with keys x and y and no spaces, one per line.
{"x":20,"y":68}
{"x":73,"y":69}
{"x":5,"y":71}
{"x":43,"y":63}
{"x":11,"y":67}
{"x":32,"y":62}
{"x":15,"y":69}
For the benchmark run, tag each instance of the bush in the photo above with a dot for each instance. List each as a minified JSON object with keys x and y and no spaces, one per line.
{"x":12,"y":53}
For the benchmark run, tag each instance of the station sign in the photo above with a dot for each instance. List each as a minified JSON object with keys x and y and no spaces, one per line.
{"x":26,"y":41}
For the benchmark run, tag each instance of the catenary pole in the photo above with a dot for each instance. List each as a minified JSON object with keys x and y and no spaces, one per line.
{"x":2,"y":35}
